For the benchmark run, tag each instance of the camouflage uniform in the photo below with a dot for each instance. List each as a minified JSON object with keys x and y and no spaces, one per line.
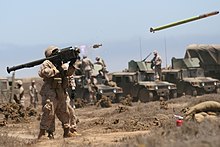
{"x":71,"y":90}
{"x":33,"y":92}
{"x":87,"y":67}
{"x":157,"y":61}
{"x":103,"y":71}
{"x":73,"y":119}
{"x":20,"y":96}
{"x":54,"y":91}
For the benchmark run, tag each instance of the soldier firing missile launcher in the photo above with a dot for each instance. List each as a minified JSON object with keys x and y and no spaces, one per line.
{"x":183,"y":21}
{"x":64,"y":55}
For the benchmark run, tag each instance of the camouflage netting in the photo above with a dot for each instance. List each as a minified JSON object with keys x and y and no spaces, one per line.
{"x":15,"y":113}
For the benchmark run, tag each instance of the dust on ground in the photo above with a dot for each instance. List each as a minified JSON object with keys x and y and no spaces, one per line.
{"x":140,"y":124}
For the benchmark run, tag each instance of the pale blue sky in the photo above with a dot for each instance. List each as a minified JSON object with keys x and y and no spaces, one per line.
{"x":122,"y":26}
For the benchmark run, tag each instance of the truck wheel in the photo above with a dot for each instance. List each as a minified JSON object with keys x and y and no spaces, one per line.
{"x":191,"y":91}
{"x":135,"y":99}
{"x":98,"y":97}
{"x":145,"y":95}
{"x":201,"y":92}
{"x":118,"y":98}
{"x":194,"y":92}
{"x":218,"y":90}
{"x":173,"y":94}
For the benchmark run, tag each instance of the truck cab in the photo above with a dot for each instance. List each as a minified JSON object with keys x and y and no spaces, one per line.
{"x":138,"y":81}
{"x":5,"y":92}
{"x":8,"y":89}
{"x":190,"y":78}
{"x":100,"y":86}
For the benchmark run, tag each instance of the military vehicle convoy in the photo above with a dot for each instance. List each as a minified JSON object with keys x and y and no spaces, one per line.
{"x":100,"y":86}
{"x":138,"y":82}
{"x":189,"y":77}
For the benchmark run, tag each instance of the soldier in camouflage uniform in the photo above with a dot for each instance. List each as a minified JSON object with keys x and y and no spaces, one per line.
{"x":19,"y":97}
{"x":54,"y":91}
{"x":87,"y":67}
{"x":156,"y":63}
{"x":102,"y":71}
{"x":33,"y":92}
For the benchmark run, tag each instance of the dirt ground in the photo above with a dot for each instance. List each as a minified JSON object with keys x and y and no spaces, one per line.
{"x":142,"y":124}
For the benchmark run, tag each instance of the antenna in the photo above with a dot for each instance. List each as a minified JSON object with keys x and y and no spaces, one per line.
{"x":165,"y":47}
{"x":140,"y":46}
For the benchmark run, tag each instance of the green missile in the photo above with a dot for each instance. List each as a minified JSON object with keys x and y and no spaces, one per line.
{"x":183,"y":21}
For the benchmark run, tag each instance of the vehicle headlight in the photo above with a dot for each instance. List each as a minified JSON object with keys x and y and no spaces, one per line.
{"x":215,"y":83}
{"x":169,"y":87}
{"x":203,"y":84}
{"x":100,"y":91}
{"x":114,"y":90}
{"x":156,"y":87}
{"x":79,"y":80}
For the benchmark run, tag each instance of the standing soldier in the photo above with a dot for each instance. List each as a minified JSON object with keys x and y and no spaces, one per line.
{"x":87,"y":67}
{"x":54,"y":91}
{"x":156,"y":63}
{"x":19,"y":98}
{"x":33,"y":92}
{"x":103,"y":70}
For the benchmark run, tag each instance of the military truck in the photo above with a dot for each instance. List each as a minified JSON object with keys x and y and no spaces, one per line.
{"x":138,"y":81}
{"x":99,"y":85}
{"x":189,"y":77}
{"x":8,"y":89}
{"x":4,"y":86}
{"x":209,"y":57}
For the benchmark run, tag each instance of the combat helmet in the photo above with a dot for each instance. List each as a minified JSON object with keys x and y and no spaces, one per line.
{"x":155,"y":52}
{"x":97,"y":58}
{"x":84,"y":56}
{"x":50,"y":50}
{"x":19,"y":82}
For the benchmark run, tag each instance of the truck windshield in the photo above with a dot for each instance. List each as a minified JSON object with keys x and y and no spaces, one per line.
{"x":195,"y":73}
{"x":147,"y":77}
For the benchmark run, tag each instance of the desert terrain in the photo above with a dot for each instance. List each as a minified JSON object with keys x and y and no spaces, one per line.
{"x":149,"y":124}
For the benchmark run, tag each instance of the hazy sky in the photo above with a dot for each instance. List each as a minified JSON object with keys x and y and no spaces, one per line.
{"x":122,"y":26}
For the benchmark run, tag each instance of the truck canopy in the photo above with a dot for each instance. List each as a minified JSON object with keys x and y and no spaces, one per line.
{"x":207,"y":54}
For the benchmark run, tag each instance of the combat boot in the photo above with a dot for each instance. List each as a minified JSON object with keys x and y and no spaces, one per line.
{"x":74,"y":132}
{"x":50,"y":135}
{"x":41,"y":133}
{"x":67,"y":133}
